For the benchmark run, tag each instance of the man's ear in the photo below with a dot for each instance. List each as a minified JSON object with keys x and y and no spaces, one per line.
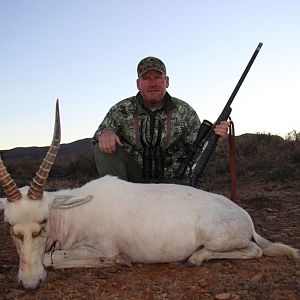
{"x":67,"y":201}
{"x":138,"y":84}
{"x":2,"y":204}
{"x":167,"y":81}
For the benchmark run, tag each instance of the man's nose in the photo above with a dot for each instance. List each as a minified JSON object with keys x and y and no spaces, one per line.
{"x":152,"y":81}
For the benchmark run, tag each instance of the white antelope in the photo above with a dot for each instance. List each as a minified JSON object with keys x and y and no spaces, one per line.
{"x":113,"y":220}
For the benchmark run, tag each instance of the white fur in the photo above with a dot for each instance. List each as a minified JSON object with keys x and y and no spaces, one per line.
{"x":114,"y":220}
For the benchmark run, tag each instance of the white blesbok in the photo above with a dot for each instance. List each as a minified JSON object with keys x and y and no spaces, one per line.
{"x":110,"y":220}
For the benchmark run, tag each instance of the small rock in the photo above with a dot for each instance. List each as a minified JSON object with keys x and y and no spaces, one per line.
{"x":203,"y":283}
{"x":257,"y":277}
{"x":269,"y":218}
{"x":223,"y":296}
{"x":269,"y":209}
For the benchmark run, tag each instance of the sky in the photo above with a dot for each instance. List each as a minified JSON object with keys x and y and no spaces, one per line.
{"x":85,"y":53}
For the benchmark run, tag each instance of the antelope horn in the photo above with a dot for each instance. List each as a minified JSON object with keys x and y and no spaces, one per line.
{"x":10,"y":188}
{"x":36,"y":189}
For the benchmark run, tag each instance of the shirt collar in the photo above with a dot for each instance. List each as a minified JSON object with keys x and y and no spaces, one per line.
{"x":168,"y":105}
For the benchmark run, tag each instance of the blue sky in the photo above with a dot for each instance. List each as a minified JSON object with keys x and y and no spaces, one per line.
{"x":85,"y":53}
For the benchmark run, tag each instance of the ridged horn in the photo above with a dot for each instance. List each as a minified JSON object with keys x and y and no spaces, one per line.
{"x":36,"y":189}
{"x":10,"y":188}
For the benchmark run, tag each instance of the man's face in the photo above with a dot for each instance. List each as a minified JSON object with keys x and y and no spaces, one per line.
{"x":152,"y":86}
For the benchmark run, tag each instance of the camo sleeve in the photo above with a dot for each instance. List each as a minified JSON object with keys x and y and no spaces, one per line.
{"x":116,"y":118}
{"x":185,"y":122}
{"x":107,"y":123}
{"x":192,"y":128}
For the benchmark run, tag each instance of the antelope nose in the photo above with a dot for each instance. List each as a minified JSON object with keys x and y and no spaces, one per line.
{"x":31,"y":287}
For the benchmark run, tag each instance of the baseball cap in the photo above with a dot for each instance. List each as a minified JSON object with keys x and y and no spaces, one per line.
{"x":150,"y":63}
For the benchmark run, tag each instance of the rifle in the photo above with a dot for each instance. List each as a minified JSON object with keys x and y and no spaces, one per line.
{"x":206,"y":139}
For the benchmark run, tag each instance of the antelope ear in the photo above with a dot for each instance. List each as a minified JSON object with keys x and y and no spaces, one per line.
{"x":67,"y":201}
{"x":2,"y":203}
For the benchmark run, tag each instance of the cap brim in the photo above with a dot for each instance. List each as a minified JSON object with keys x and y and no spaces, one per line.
{"x":151,"y":69}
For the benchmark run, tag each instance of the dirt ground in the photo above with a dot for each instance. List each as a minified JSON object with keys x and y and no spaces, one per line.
{"x":275,"y":209}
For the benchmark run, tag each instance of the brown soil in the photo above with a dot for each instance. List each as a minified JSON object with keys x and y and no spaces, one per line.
{"x":275,"y":210}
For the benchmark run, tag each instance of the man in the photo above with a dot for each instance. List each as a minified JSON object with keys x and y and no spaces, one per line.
{"x":145,"y":137}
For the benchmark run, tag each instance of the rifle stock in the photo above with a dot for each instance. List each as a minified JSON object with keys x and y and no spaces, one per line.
{"x":207,"y":148}
{"x":204,"y":129}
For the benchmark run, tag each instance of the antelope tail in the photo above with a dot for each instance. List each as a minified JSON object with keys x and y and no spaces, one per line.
{"x":275,"y":249}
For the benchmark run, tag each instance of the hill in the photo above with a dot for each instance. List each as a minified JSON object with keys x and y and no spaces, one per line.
{"x":74,"y":149}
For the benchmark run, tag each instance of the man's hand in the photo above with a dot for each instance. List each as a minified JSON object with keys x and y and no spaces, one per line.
{"x":108,"y":141}
{"x":222,"y":130}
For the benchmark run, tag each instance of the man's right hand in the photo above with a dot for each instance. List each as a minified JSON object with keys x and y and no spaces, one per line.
{"x":108,"y":141}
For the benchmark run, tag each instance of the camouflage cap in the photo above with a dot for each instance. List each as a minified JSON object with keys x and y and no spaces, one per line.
{"x":150,"y":63}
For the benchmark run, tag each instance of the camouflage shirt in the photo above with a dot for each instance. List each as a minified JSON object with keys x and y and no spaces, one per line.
{"x":174,"y":127}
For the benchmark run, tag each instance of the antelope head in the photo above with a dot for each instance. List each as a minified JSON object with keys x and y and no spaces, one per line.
{"x":27,"y":215}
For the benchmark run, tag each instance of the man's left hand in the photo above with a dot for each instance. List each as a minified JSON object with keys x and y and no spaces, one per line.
{"x":221,"y":130}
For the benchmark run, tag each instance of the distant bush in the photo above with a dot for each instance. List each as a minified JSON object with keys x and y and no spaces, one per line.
{"x":258,"y":157}
{"x":293,"y":136}
{"x":271,"y":156}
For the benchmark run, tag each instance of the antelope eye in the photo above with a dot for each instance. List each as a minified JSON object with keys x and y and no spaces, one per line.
{"x":44,"y":221}
{"x":19,"y":236}
{"x":35,"y":234}
{"x":38,"y":233}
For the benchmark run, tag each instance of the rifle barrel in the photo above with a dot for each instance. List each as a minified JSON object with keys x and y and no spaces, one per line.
{"x":237,"y":87}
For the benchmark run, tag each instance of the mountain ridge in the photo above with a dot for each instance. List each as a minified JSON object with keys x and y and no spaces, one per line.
{"x":77,"y":148}
{"x":73,"y":149}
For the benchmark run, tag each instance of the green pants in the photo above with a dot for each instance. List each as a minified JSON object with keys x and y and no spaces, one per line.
{"x":124,"y":166}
